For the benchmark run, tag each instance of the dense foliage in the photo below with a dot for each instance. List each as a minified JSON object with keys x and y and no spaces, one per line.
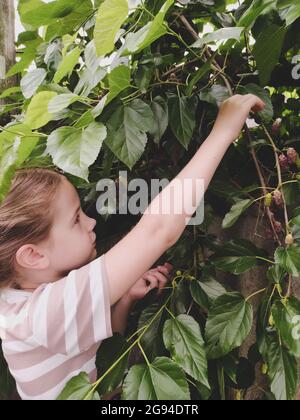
{"x":137,"y":88}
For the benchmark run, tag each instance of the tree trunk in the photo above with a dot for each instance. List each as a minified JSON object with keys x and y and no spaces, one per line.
{"x":7,"y":43}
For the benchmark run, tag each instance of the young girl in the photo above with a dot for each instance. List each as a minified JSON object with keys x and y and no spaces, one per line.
{"x":56,"y":296}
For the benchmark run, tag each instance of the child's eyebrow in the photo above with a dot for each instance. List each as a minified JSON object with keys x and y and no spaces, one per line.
{"x":75,"y":213}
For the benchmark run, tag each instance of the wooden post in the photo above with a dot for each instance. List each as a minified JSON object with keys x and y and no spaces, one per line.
{"x":7,"y":42}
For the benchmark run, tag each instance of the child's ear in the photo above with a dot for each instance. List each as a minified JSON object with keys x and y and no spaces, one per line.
{"x":31,"y":256}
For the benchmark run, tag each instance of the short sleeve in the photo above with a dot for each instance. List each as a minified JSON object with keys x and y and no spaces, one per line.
{"x":72,"y":314}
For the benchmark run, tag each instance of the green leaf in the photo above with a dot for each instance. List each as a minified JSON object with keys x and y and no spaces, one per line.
{"x":257,"y":8}
{"x":60,"y":102}
{"x":78,"y":388}
{"x":67,"y":65}
{"x":267,"y":51}
{"x":109,"y":352}
{"x":206,"y":291}
{"x":74,"y":150}
{"x":10,"y":91}
{"x":286,"y":316}
{"x":214,"y":95}
{"x":199,"y":75}
{"x":118,"y":80}
{"x":159,"y":108}
{"x":37,"y":114}
{"x":16,"y":145}
{"x":235,"y":212}
{"x":290,"y":13}
{"x":67,"y":23}
{"x":110,"y":17}
{"x":237,"y":256}
{"x":219,"y":35}
{"x":27,"y":57}
{"x":229,"y":323}
{"x":31,"y":81}
{"x":268,"y":112}
{"x":88,"y":80}
{"x":282,"y":371}
{"x":127,"y":129}
{"x":183,"y":339}
{"x":152,"y":342}
{"x":276,"y":273}
{"x":143,"y":77}
{"x":161,"y":380}
{"x":60,"y":16}
{"x":182,"y":117}
{"x":138,"y":41}
{"x":289,"y":259}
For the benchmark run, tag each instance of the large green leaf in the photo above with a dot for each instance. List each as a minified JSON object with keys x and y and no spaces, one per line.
{"x":27,"y":57}
{"x":127,"y":129}
{"x":235,"y":212}
{"x":37,"y":114}
{"x":31,"y":81}
{"x":214,"y":95}
{"x":152,"y":342}
{"x":183,"y":339}
{"x":206,"y":291}
{"x":60,"y":102}
{"x":229,"y":323}
{"x":257,"y":8}
{"x":161,"y":380}
{"x":237,"y":256}
{"x":67,"y":65}
{"x":46,"y":13}
{"x":74,"y":149}
{"x":16,"y":145}
{"x":110,"y":351}
{"x":291,"y":10}
{"x":118,"y":80}
{"x":159,"y":108}
{"x":286,"y":316}
{"x":138,"y":41}
{"x":60,"y":16}
{"x":267,"y":51}
{"x":111,"y":15}
{"x":78,"y":388}
{"x":289,"y":259}
{"x":282,"y":370}
{"x":219,"y":35}
{"x":182,"y":117}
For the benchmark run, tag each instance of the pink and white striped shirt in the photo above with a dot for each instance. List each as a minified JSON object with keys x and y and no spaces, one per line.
{"x":53,"y":333}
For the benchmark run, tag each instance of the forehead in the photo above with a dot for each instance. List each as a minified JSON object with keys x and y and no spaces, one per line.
{"x":66,"y":200}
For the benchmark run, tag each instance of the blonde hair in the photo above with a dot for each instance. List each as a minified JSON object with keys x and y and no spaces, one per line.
{"x":26,"y":216}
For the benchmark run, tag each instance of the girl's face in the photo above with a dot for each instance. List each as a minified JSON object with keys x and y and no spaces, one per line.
{"x":72,"y":241}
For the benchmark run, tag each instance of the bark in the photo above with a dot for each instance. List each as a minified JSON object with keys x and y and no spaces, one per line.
{"x":7,"y":43}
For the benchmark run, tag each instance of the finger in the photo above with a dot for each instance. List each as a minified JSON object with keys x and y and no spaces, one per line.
{"x":254,"y":102}
{"x":168,"y":266}
{"x":162,"y":279}
{"x":151,"y":280}
{"x":164,"y":270}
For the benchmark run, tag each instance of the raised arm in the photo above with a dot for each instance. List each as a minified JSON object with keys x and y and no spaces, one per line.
{"x":156,"y":232}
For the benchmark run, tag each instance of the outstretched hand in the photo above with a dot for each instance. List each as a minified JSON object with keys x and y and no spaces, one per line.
{"x":154,"y":278}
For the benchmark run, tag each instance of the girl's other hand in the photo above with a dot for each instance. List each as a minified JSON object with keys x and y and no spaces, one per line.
{"x":154,"y":278}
